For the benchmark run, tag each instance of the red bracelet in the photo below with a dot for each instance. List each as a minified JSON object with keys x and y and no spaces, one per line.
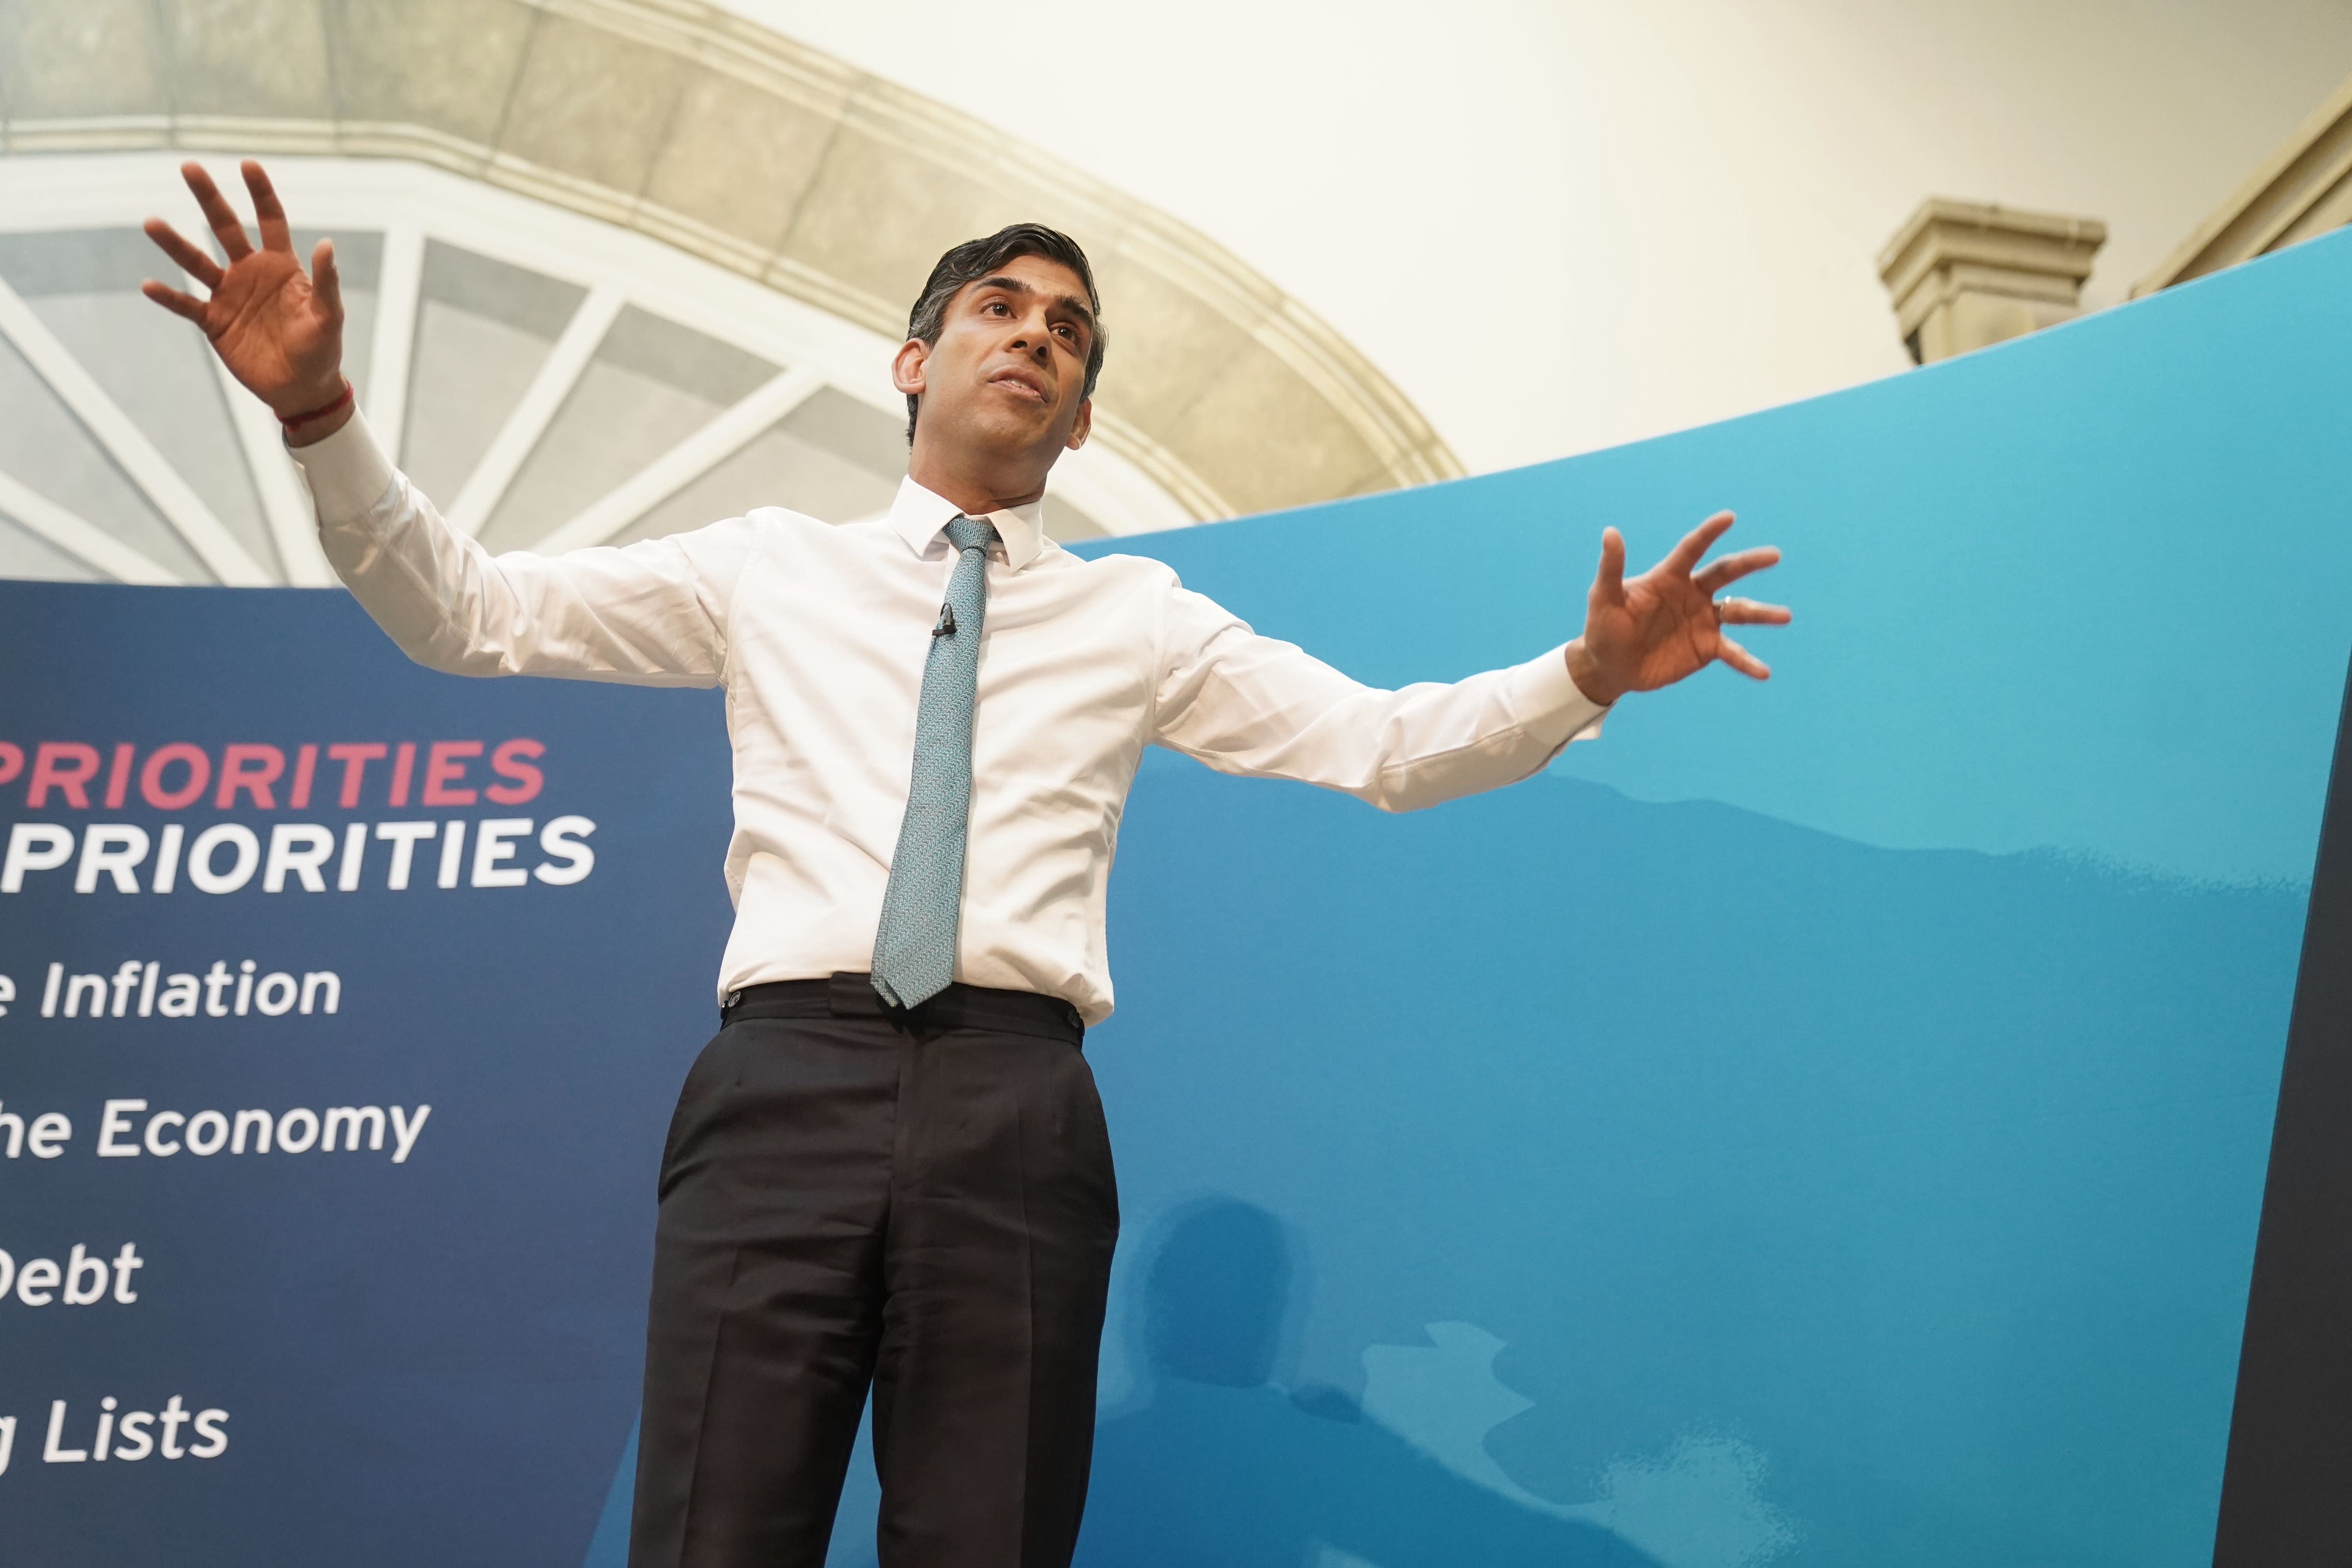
{"x":342,"y":402}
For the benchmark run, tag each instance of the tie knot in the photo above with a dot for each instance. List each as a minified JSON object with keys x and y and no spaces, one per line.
{"x":971,"y":534}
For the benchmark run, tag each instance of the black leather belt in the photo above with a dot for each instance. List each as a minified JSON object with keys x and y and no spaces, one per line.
{"x":960,"y":1006}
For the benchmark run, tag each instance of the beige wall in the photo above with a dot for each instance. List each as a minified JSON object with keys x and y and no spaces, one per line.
{"x":1622,"y":217}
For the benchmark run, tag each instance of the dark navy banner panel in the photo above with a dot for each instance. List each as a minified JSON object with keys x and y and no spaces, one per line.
{"x":1821,"y":1123}
{"x":377,"y":1163}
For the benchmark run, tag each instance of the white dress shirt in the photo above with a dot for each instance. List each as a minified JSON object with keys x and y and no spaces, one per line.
{"x":819,"y":634}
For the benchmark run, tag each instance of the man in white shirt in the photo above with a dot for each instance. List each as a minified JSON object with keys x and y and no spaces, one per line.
{"x":890,"y":1169}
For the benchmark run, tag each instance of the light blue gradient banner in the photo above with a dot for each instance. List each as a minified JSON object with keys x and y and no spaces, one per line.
{"x":1821,"y":1123}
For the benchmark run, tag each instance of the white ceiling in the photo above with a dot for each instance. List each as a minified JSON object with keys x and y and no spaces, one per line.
{"x":1562,"y":226}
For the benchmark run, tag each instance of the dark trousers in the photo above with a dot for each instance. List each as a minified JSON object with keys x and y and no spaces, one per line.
{"x":923,"y":1202}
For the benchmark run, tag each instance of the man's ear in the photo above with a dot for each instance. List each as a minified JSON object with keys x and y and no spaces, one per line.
{"x":1083,"y":424}
{"x":906,"y":367}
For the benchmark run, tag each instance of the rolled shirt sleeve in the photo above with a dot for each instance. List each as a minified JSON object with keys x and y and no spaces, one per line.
{"x":653,"y":612}
{"x":1263,"y":708}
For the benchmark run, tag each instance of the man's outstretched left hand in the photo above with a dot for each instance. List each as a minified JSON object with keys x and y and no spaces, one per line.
{"x":1642,"y":633}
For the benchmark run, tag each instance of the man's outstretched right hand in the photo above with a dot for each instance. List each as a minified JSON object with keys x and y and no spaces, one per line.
{"x":278,"y":330}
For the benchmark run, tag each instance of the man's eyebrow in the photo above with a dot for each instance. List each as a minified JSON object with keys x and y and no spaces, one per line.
{"x":1013,"y":285}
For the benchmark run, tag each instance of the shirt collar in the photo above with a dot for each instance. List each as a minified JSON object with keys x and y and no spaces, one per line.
{"x":919,"y":517}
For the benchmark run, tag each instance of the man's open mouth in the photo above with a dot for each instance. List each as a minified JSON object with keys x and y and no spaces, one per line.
{"x":1019,"y":380}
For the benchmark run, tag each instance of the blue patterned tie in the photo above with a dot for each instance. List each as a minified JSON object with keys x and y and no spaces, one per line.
{"x":914,"y":953}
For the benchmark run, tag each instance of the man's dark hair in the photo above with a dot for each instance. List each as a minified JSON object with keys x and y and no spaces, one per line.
{"x":975,"y":259}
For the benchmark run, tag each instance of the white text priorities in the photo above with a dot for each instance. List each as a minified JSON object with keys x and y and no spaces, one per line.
{"x":182,"y":778}
{"x":229,"y":857}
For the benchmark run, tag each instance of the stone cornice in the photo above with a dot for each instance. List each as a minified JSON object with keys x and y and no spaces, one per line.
{"x":2304,"y":188}
{"x":1966,"y":274}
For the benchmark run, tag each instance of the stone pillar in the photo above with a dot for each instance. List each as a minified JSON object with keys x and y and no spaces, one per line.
{"x":1965,"y":273}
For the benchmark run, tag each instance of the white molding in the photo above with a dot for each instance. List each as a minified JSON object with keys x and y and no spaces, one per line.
{"x":686,"y":462}
{"x":127,"y":445}
{"x":856,"y":126}
{"x":2300,"y":190}
{"x":373,"y":195}
{"x":558,"y":374}
{"x":84,"y":190}
{"x":76,"y":535}
{"x":397,"y":282}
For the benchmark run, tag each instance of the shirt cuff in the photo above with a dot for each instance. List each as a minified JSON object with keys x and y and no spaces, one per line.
{"x":1548,"y":704}
{"x":347,"y":473}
